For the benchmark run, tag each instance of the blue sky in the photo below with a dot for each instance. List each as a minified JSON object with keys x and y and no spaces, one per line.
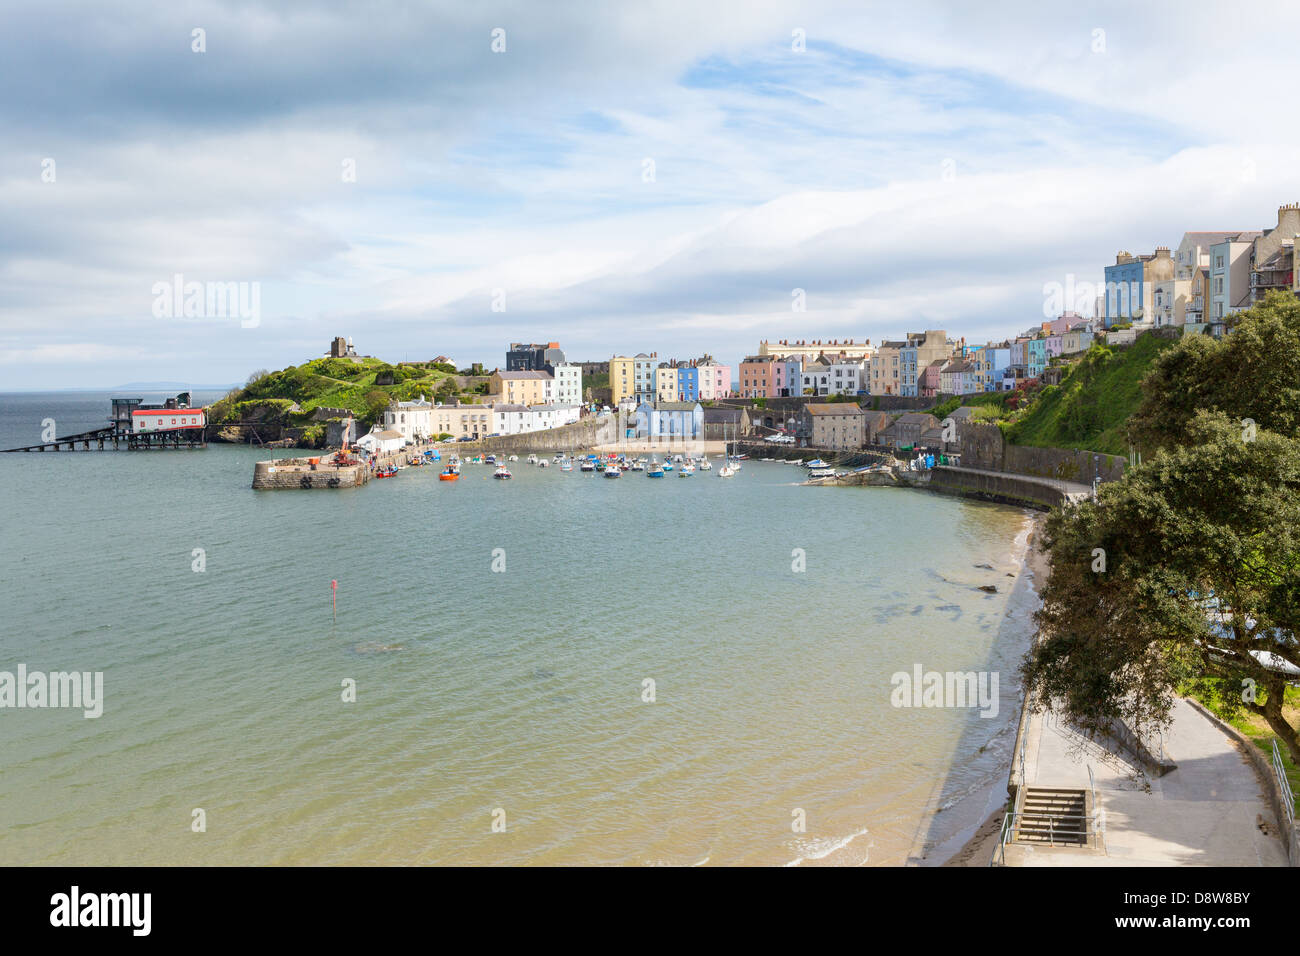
{"x":912,"y":167}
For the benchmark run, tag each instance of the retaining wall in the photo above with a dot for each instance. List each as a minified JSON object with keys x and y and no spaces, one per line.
{"x":984,"y":447}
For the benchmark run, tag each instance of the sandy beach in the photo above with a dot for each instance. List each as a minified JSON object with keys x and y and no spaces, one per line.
{"x":978,"y":849}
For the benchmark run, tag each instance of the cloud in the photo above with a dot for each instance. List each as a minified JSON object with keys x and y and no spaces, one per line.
{"x":916,"y":165}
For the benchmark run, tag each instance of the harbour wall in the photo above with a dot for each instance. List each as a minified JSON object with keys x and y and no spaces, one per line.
{"x":579,"y":436}
{"x":1024,"y":490}
{"x":300,"y":473}
{"x":1020,"y":490}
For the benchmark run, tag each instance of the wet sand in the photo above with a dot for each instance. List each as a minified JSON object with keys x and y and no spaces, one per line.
{"x":978,"y":848}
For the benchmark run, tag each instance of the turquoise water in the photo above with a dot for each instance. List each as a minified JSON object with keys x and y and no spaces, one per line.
{"x":478,"y":691}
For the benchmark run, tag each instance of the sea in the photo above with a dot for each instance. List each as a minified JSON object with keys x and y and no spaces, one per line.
{"x":560,"y":669}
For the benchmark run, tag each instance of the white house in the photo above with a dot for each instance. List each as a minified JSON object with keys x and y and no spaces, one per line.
{"x":382,"y":441}
{"x":554,"y":415}
{"x":568,"y":385}
{"x":414,"y":420}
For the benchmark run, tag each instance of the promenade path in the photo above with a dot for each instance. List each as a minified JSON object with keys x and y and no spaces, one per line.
{"x":1204,"y":813}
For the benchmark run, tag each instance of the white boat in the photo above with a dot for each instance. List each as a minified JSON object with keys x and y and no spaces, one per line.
{"x":532,"y":459}
{"x":502,"y":472}
{"x":613,"y":471}
{"x":514,"y":458}
{"x":824,"y":472}
{"x":566,"y":465}
{"x":726,"y":471}
{"x":687,"y":469}
{"x":704,"y":464}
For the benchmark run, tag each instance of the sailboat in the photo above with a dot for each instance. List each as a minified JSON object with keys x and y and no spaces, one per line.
{"x":726,"y":471}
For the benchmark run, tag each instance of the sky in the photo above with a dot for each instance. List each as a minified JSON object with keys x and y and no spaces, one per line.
{"x":445,"y":178}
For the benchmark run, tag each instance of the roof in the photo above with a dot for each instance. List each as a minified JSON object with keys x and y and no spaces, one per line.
{"x":834,"y":408}
{"x":924,"y":419}
{"x":718,"y":414}
{"x":524,"y":375}
{"x":675,"y":406}
{"x":508,"y":407}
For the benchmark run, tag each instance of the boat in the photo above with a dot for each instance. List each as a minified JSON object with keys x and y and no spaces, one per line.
{"x":587,"y":465}
{"x":655,"y":471}
{"x":542,"y":463}
{"x":532,"y":459}
{"x":726,"y":471}
{"x":514,"y":458}
{"x":490,"y":459}
{"x":687,"y":469}
{"x":668,"y":465}
{"x":600,"y":466}
{"x":502,"y":472}
{"x":704,"y":464}
{"x":449,"y":474}
{"x":826,"y":471}
{"x":566,"y":465}
{"x":815,"y":463}
{"x":613,"y":471}
{"x":638,"y":465}
{"x":387,"y":472}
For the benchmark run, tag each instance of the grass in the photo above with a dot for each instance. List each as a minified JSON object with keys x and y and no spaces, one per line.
{"x":1251,"y":725}
{"x":1090,"y":408}
{"x":334,"y":383}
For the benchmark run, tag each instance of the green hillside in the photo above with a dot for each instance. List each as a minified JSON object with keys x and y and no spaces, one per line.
{"x":1091,"y":406}
{"x":365,"y":387}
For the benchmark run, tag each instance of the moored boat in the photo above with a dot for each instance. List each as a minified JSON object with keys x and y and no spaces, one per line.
{"x":502,"y":472}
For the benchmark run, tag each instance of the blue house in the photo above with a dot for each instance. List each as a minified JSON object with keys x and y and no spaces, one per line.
{"x":688,"y":383}
{"x":1037,"y":357}
{"x":679,"y":420}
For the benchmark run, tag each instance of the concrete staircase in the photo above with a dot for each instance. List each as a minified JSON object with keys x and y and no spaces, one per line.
{"x":1053,"y":817}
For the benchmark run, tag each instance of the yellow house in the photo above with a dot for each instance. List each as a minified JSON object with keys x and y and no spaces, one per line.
{"x":523,"y":388}
{"x":666,"y":383}
{"x":620,"y":378}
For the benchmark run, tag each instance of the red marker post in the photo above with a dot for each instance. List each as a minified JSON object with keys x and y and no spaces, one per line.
{"x":334,"y":599}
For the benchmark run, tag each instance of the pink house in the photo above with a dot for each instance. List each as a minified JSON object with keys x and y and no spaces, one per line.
{"x":758,"y":377}
{"x":929,"y":384}
{"x":715,"y":379}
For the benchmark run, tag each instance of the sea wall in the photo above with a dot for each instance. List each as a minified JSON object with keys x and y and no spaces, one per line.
{"x":1023,"y":490}
{"x":984,"y":447}
{"x":579,"y":436}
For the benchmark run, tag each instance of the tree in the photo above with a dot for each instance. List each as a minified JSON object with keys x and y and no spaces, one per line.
{"x":1181,"y":570}
{"x":446,"y":390}
{"x":375,"y":401}
{"x":1252,"y":373}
